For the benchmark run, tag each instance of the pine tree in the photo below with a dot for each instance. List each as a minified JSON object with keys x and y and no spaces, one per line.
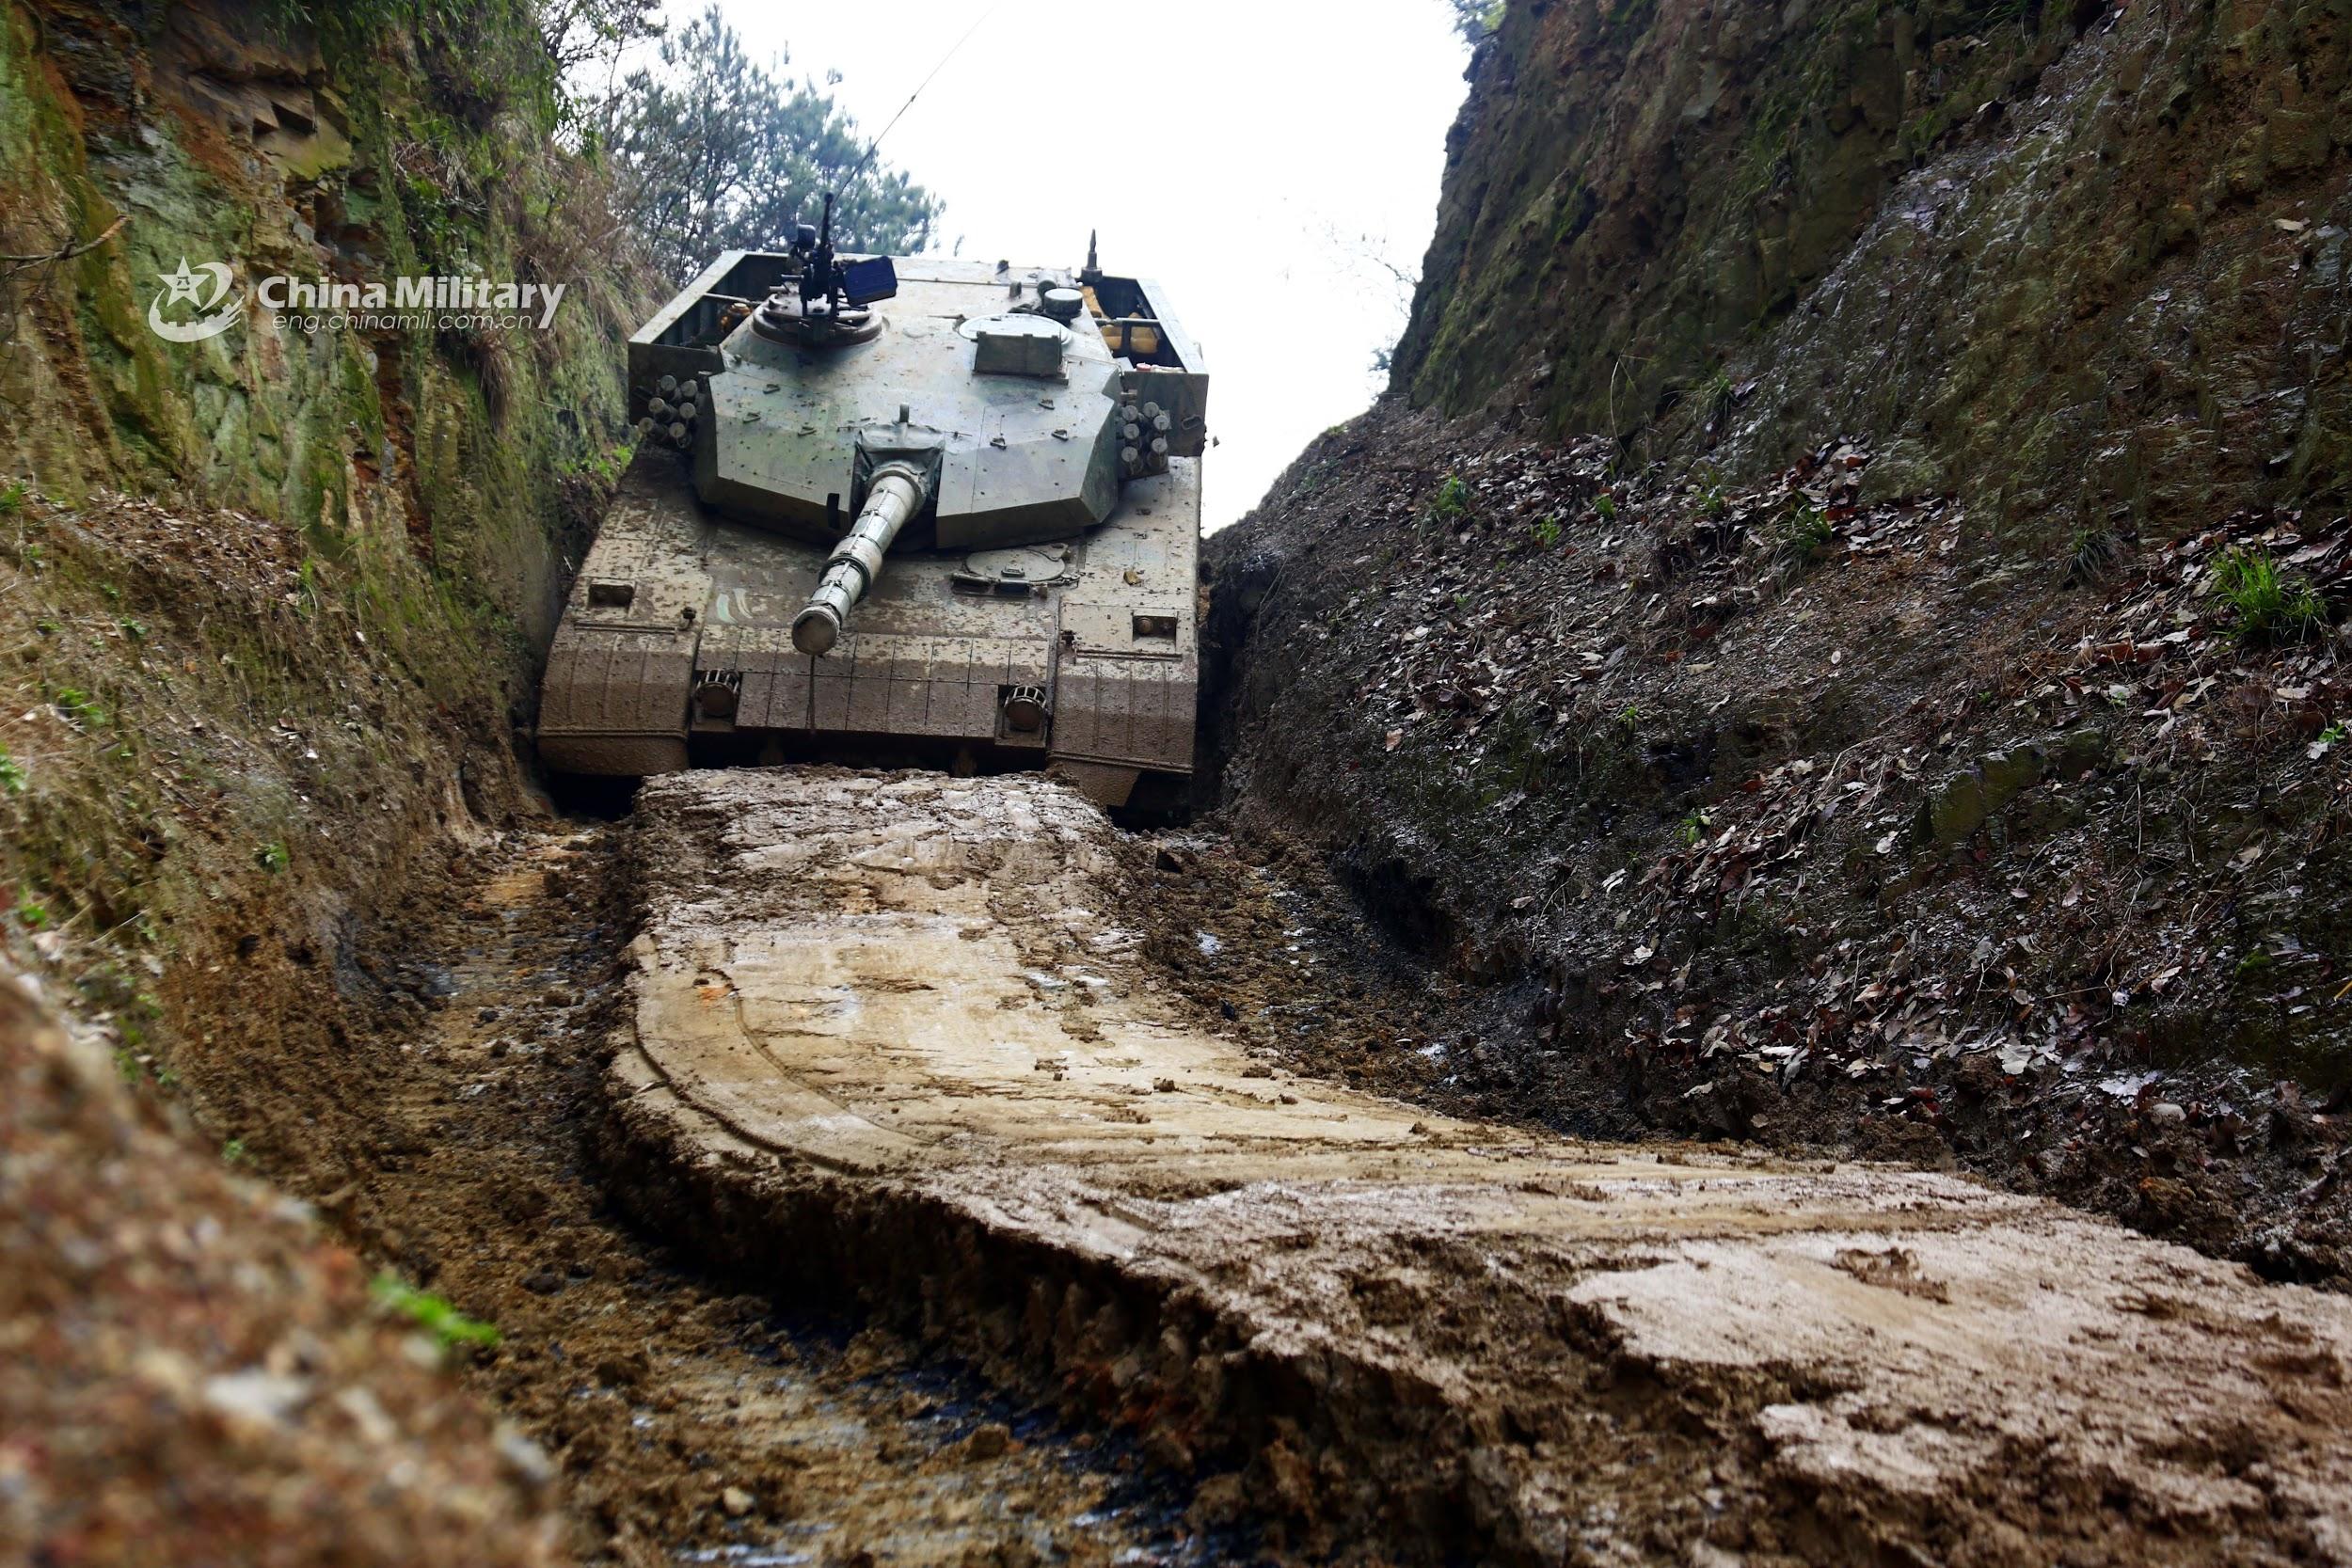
{"x":713,"y":151}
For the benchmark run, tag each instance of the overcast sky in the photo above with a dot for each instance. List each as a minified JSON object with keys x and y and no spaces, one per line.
{"x":1259,"y":157}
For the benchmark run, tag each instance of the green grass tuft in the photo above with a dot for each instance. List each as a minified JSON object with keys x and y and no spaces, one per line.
{"x":1802,"y":534}
{"x":1451,"y":504}
{"x":2271,"y":607}
{"x":77,"y":704}
{"x":2092,"y":555}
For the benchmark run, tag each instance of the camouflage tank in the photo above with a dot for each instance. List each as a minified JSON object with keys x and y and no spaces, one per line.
{"x":922,"y":511}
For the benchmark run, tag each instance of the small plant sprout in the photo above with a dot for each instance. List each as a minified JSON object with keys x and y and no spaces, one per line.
{"x":271,"y":856}
{"x":1451,"y":504}
{"x":79,"y":706}
{"x":12,"y":775}
{"x":1719,"y":395}
{"x":1802,"y":534}
{"x":135,"y":630}
{"x":2271,"y":608}
{"x":13,"y":496}
{"x":1692,"y":828}
{"x":1630,"y":719}
{"x":1606,"y":504}
{"x":234,"y":1152}
{"x":2329,"y":736}
{"x":431,"y":1313}
{"x":32,"y":915}
{"x":1548,"y":532}
{"x":2091,"y":556}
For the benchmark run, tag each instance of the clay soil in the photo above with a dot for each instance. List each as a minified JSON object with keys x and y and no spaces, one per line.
{"x":898,"y":1036}
{"x":684,"y":1415}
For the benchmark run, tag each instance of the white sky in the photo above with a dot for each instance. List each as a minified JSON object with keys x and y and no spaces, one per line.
{"x":1254,"y":157}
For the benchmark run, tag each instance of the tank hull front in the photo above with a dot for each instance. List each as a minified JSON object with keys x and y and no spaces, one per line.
{"x":676,"y":647}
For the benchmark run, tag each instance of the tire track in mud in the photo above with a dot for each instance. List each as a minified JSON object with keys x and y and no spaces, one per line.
{"x":688,"y":1420}
{"x":1383,"y":1330}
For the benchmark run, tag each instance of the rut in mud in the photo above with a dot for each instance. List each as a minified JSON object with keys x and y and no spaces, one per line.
{"x":893,"y":1040}
{"x":690,"y":1420}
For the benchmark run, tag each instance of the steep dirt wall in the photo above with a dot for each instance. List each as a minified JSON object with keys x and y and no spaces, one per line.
{"x":1772,"y":813}
{"x":1772,"y":660}
{"x":2072,"y":260}
{"x":273,"y":603}
{"x":281,"y":592}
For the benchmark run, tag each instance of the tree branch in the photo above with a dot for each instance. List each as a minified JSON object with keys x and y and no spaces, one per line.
{"x":67,"y":253}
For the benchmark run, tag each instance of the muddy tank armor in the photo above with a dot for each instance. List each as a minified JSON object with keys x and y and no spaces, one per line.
{"x":926,"y":510}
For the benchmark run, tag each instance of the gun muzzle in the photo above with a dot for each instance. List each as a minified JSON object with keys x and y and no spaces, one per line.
{"x":896,"y":494}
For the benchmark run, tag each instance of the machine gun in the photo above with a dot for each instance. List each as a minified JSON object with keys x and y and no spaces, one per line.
{"x":827,"y":284}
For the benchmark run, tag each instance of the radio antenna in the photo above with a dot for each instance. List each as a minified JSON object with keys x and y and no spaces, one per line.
{"x":875,"y":146}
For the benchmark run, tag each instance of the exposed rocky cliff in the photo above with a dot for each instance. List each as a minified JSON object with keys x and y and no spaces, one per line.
{"x":136,"y":138}
{"x":1913,"y":723}
{"x":2073,"y":259}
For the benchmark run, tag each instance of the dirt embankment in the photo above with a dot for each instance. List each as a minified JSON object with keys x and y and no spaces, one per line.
{"x":193,"y":1371}
{"x":1913,"y":725}
{"x":897,"y":1038}
{"x":220,"y":753}
{"x":1808,"y":814}
{"x":268,"y":605}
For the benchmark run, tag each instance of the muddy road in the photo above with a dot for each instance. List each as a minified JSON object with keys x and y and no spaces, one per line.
{"x":692,"y":1418}
{"x":857,"y":1173}
{"x":891,"y":1043}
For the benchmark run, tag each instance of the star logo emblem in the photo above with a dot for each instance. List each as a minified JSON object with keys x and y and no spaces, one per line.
{"x":202,"y":287}
{"x":182,"y":284}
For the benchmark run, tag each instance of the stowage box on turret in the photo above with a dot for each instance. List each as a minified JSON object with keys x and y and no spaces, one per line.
{"x":928,"y":511}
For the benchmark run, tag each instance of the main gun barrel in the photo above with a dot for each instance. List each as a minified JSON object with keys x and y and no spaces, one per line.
{"x":896,"y":494}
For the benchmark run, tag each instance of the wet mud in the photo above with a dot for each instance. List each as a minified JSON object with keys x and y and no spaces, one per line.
{"x":682,"y":1414}
{"x":897,"y":1042}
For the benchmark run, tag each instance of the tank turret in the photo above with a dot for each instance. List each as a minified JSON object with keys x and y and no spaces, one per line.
{"x":897,"y":509}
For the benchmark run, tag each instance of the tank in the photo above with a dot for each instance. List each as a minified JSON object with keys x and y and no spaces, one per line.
{"x":897,"y":511}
